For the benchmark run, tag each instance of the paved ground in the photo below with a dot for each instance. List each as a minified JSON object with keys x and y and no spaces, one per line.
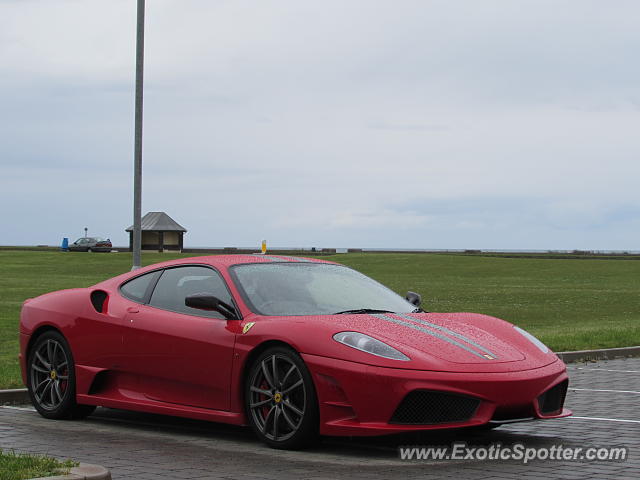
{"x":604,"y":396}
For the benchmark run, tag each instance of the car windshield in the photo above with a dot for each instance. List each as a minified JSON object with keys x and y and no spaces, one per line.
{"x":313,"y":289}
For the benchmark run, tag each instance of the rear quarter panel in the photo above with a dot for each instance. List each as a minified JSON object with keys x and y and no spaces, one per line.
{"x":95,"y":338}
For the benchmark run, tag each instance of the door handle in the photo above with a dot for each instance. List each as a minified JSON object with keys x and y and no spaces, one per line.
{"x":133,"y":309}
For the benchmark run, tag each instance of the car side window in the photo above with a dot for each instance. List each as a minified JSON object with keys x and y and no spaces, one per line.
{"x":176,"y":284}
{"x":137,"y":288}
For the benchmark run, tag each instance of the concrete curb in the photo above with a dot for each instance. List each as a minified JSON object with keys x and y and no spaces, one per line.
{"x":85,"y":471}
{"x":17,"y":395}
{"x":601,"y":354}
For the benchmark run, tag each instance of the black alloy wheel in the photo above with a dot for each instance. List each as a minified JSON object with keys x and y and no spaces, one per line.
{"x":280,"y":400}
{"x":51,"y":378}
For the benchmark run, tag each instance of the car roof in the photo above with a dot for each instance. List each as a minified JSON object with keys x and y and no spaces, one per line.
{"x":229,"y":260}
{"x":225,"y":261}
{"x":221,"y":262}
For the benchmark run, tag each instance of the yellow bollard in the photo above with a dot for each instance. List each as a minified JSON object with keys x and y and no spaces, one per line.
{"x":264,"y":247}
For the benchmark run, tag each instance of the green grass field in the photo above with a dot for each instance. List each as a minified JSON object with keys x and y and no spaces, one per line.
{"x":17,"y":466}
{"x":570,"y":304}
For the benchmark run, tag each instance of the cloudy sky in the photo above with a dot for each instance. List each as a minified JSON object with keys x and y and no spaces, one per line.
{"x":403,"y":124}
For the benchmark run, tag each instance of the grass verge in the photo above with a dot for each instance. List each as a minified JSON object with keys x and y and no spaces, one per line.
{"x":18,"y":466}
{"x":569,"y":304}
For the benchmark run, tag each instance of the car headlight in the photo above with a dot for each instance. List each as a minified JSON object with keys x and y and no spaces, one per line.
{"x":532,"y":339}
{"x":368,"y":344}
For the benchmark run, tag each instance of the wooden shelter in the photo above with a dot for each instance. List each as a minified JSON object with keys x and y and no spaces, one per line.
{"x":159,"y":232}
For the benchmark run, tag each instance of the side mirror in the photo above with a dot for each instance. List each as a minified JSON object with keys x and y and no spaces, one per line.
{"x":204,"y":301}
{"x":414,"y":298}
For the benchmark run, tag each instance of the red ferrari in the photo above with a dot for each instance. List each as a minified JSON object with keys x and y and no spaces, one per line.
{"x":294,"y":347}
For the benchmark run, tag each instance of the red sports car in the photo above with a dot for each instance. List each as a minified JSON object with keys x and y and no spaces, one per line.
{"x":293,"y":347}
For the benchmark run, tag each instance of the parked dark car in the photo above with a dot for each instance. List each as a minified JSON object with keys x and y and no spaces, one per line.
{"x":91,"y":244}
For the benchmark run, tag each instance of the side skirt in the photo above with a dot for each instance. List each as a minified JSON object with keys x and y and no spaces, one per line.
{"x":149,"y":406}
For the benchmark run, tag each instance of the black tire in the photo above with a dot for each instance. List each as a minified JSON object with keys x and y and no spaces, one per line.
{"x":282,"y":408}
{"x":51,"y":378}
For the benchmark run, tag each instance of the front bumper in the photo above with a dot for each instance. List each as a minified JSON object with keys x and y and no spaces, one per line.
{"x":356,"y":399}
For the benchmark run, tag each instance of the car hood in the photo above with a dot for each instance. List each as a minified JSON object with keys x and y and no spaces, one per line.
{"x":441,"y":336}
{"x":433,"y":341}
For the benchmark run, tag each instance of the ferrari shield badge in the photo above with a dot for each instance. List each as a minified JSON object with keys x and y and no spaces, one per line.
{"x":247,"y":327}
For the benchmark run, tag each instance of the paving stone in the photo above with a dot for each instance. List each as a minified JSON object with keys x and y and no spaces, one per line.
{"x":149,"y":447}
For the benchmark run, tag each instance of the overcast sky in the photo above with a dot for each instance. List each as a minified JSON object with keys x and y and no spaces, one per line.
{"x":402,"y":124}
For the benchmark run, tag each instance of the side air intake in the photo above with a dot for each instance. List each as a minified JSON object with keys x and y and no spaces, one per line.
{"x":551,"y":401}
{"x":99,"y":300}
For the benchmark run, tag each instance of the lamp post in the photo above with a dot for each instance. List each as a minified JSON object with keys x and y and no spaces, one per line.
{"x":137,"y":156}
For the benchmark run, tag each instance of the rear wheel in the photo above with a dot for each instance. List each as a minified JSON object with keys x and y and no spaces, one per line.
{"x":51,"y":378}
{"x":280,"y":400}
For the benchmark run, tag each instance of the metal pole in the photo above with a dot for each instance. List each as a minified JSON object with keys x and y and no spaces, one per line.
{"x":137,"y":161}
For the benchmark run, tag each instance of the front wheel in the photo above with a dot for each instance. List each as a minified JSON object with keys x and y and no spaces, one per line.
{"x":280,"y":400}
{"x":51,"y":378}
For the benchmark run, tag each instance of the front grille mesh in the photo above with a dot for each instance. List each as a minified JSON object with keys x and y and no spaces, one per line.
{"x":425,"y":407}
{"x":552,"y":400}
{"x":512,"y":412}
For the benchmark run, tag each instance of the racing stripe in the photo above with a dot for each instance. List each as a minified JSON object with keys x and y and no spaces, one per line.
{"x":383,"y":316}
{"x":450,"y":332}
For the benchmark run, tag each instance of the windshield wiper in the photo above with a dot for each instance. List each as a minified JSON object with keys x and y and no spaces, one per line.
{"x":363,"y":310}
